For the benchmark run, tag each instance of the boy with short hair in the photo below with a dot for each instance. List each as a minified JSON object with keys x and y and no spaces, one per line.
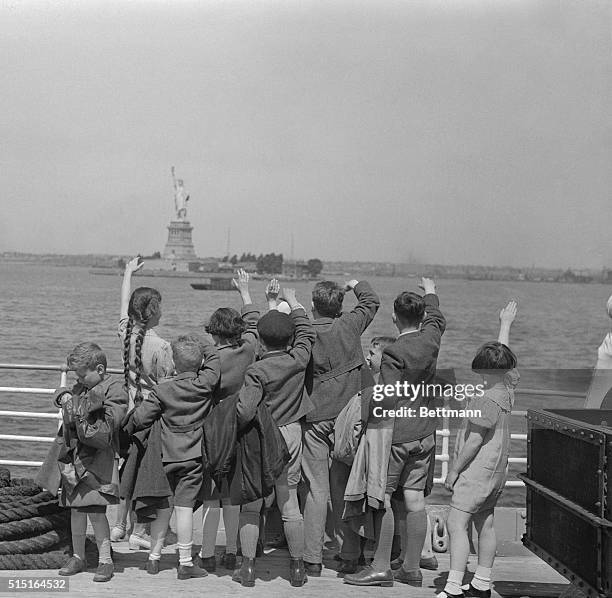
{"x":334,"y":376}
{"x":92,"y":412}
{"x":411,"y":359}
{"x":182,"y":404}
{"x":278,"y":380}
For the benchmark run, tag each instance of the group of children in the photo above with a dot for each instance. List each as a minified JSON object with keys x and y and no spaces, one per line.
{"x":305,"y":374}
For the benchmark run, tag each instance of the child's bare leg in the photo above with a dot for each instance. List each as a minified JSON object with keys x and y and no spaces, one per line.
{"x":487,"y":543}
{"x":78,"y":524}
{"x":159,"y":528}
{"x":457,"y":523}
{"x":101,"y":529}
{"x":184,"y":533}
{"x":427,"y":550}
{"x":211,"y":516}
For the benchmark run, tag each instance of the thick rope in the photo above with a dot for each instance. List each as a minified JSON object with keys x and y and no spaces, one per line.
{"x":42,"y":543}
{"x":22,"y":501}
{"x":16,"y":514}
{"x":35,"y":526}
{"x":14,"y":491}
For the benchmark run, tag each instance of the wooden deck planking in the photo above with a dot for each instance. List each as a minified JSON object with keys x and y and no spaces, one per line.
{"x":515,"y":577}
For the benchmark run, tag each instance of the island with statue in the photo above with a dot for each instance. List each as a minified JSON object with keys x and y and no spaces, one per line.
{"x":180,"y":260}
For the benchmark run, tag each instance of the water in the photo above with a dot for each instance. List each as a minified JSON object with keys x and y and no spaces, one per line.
{"x":45,"y":311}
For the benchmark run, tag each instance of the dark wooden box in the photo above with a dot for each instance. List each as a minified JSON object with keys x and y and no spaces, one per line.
{"x":568,"y":483}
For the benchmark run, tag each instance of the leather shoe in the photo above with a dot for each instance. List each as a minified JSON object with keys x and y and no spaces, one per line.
{"x":187,"y":571}
{"x":297,"y":573}
{"x":412,"y":578}
{"x":246,"y":574}
{"x":104,"y":572}
{"x":347,"y":566}
{"x":73,"y":566}
{"x":313,"y":569}
{"x":209,"y":563}
{"x":151,"y":567}
{"x":369,"y":577}
{"x":430,"y":563}
{"x":228,"y":560}
{"x":470,"y":590}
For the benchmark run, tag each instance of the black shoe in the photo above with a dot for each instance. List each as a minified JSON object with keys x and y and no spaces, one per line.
{"x":396,"y":564}
{"x":412,"y":578}
{"x":369,"y":577}
{"x":470,"y":590}
{"x":209,"y":563}
{"x":313,"y":569}
{"x":104,"y":572}
{"x":278,"y":541}
{"x":297,"y":573}
{"x":348,"y":566}
{"x":246,"y":574}
{"x":228,"y":560}
{"x":187,"y":572}
{"x":445,"y":594}
{"x":151,"y":567}
{"x":430,"y":563}
{"x":73,"y":566}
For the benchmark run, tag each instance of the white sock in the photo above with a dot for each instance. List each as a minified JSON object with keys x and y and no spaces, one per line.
{"x":185,"y":554}
{"x":453,"y":583}
{"x":154,"y":557}
{"x":482,"y":578}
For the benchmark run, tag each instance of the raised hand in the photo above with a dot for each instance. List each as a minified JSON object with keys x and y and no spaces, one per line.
{"x":508,"y":313}
{"x":134,"y":264}
{"x":272,"y":290}
{"x":241,"y":282}
{"x":349,"y":285}
{"x":428,"y":286}
{"x":289,"y":295}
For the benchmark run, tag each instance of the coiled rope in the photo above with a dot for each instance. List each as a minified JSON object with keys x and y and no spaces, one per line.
{"x":34,"y":529}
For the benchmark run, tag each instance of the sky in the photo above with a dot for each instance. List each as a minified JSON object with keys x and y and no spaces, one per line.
{"x":455,"y":132}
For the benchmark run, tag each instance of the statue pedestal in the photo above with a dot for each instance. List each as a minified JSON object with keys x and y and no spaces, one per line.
{"x":179,"y":245}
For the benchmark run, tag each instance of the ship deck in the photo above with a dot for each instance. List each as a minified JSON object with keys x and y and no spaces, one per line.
{"x":519,"y":575}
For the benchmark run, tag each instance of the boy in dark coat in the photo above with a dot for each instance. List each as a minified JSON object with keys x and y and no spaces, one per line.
{"x":182,"y":404}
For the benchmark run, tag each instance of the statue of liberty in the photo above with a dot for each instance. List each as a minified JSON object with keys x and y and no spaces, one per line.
{"x":180,"y":198}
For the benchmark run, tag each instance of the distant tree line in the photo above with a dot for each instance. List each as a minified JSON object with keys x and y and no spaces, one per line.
{"x":271,"y":263}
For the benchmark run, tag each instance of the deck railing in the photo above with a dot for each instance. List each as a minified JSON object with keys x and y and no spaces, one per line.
{"x":63,"y":370}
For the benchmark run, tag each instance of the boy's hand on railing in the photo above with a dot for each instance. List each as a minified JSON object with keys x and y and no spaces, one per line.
{"x":508,"y":313}
{"x":134,"y":264}
{"x":428,"y":286}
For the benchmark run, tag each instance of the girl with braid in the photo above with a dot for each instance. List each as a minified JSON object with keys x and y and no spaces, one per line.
{"x":147,"y":360}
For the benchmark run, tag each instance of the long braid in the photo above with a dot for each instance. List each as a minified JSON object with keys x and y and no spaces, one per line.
{"x":138,"y":363}
{"x":127,"y":345}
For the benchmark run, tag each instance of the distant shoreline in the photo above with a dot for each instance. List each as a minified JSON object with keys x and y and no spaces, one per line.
{"x":333,"y":268}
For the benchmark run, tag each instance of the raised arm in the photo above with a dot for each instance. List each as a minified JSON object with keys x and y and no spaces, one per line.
{"x":434,"y":322}
{"x":126,"y":287}
{"x":241,"y":282}
{"x":368,"y":303}
{"x":272,"y":291}
{"x":249,"y":397}
{"x":506,"y":317}
{"x":305,"y":335}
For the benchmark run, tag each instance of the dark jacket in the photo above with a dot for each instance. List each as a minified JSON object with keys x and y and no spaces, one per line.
{"x":278,"y":378}
{"x":235,"y":359}
{"x":412,"y":358}
{"x":182,"y":404}
{"x":334,"y":374}
{"x":251,"y":459}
